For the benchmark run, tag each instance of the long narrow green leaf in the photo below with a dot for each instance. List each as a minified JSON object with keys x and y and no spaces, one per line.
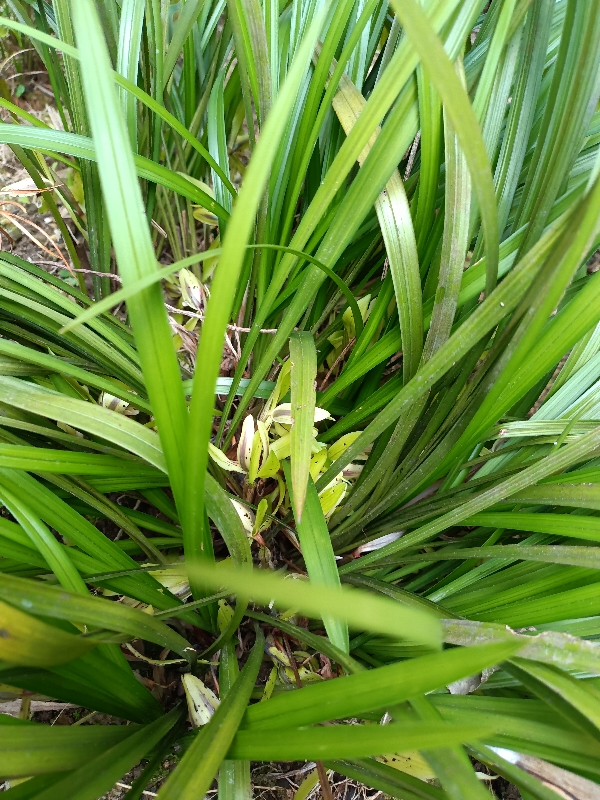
{"x":182,"y":29}
{"x":234,"y":776}
{"x":94,"y":419}
{"x":387,"y":779}
{"x":72,"y":144}
{"x":451,"y":764}
{"x":571,"y":525}
{"x":319,"y":556}
{"x":587,"y":557}
{"x":217,"y":143}
{"x":132,"y":242}
{"x":130,"y":36}
{"x":570,"y":697}
{"x":95,"y":611}
{"x":35,"y":750}
{"x":430,"y":118}
{"x":54,"y":364}
{"x":373,"y":690}
{"x":455,"y":240}
{"x":37,"y":459}
{"x":359,"y":609}
{"x":91,"y":780}
{"x":223,"y":291}
{"x":91,"y":681}
{"x":303,"y":373}
{"x":349,"y":741}
{"x":394,"y":217}
{"x":56,"y":557}
{"x":457,"y":106}
{"x":29,"y":641}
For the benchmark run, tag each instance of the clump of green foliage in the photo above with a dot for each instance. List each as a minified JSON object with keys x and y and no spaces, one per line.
{"x":357,"y":343}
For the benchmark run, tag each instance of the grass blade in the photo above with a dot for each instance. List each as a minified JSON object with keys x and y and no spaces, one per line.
{"x":303,"y":359}
{"x":131,"y":237}
{"x":52,"y":602}
{"x":394,"y":217}
{"x":373,"y":690}
{"x":31,"y":642}
{"x":359,"y":609}
{"x":460,"y":111}
{"x":36,"y":750}
{"x":223,"y":292}
{"x":102,"y":772}
{"x":350,"y":741}
{"x":319,"y":557}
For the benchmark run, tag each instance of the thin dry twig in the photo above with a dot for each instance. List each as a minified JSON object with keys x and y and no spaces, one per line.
{"x":295,"y":772}
{"x":122,"y":785}
{"x":14,"y":55}
{"x":194,"y":315}
{"x":110,"y":275}
{"x":18,"y":221}
{"x":128,"y":786}
{"x":31,"y":72}
{"x":324,"y":781}
{"x":336,"y":362}
{"x":412,"y":156}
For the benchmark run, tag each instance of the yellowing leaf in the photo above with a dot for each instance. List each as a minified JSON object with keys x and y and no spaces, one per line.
{"x":332,"y":496}
{"x":224,"y":615}
{"x":244,"y":451}
{"x":317,"y":463}
{"x":117,"y":404}
{"x":245,"y":514}
{"x":270,"y":467}
{"x":411,"y":762}
{"x":202,"y":701}
{"x":342,"y":444}
{"x":255,"y":456}
{"x":282,"y":414}
{"x":282,"y":387}
{"x":261,"y":511}
{"x":221,"y":459}
{"x":303,"y":358}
